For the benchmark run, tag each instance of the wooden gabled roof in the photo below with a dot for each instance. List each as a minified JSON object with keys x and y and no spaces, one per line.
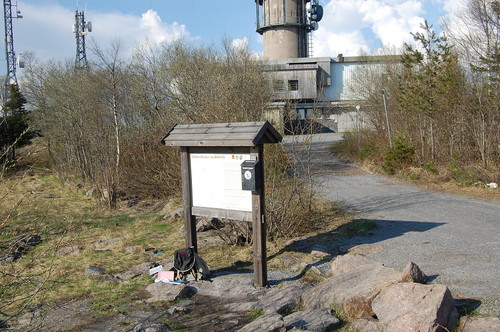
{"x":222,"y":134}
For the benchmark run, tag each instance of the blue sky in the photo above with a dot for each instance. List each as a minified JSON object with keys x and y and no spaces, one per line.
{"x":348,"y":27}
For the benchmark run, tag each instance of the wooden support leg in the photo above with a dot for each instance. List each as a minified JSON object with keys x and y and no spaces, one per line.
{"x":189,"y":219}
{"x":259,"y":226}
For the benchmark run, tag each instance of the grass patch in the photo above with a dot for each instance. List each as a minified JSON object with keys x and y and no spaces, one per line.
{"x":312,"y":277}
{"x":469,"y":307}
{"x":356,"y":227}
{"x":255,"y":313}
{"x":339,"y":312}
{"x":114,"y":298}
{"x":297,"y":308}
{"x":162,"y":227}
{"x":176,"y":327}
{"x":106,"y":221}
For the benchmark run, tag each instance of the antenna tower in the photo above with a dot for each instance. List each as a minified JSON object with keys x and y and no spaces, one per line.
{"x":81,"y":28}
{"x":9,"y":42}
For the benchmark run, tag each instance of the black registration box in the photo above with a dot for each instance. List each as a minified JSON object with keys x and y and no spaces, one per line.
{"x":250,"y":175}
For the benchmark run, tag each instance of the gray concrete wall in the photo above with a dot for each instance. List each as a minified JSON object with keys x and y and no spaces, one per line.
{"x":281,"y":43}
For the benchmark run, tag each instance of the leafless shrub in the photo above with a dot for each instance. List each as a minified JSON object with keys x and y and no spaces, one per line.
{"x":292,"y":205}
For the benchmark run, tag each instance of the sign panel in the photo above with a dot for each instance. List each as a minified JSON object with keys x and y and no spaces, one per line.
{"x":216,"y":181}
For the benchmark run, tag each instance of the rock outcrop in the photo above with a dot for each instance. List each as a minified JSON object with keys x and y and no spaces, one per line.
{"x":363,"y":289}
{"x":272,"y":322}
{"x":281,"y":299}
{"x":314,"y":320}
{"x":348,"y":262}
{"x":353,"y":291}
{"x":167,"y":292}
{"x":480,"y":324}
{"x":415,"y":307}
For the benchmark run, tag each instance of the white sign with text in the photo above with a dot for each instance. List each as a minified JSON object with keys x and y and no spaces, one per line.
{"x":216,"y":181}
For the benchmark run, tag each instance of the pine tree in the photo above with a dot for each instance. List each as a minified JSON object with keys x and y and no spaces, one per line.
{"x":14,"y":126}
{"x":423,"y":84}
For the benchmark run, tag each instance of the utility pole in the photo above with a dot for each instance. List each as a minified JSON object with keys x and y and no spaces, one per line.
{"x":81,"y":28}
{"x":389,"y":132}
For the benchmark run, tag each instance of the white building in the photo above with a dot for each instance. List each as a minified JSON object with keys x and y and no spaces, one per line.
{"x":318,"y":89}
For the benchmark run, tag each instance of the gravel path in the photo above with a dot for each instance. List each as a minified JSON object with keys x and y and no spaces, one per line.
{"x":454,"y":239}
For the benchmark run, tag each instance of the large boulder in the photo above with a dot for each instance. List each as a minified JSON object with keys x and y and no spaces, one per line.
{"x":415,"y":307}
{"x":367,"y":325}
{"x":314,"y":320}
{"x":352,"y":291}
{"x":349,"y":262}
{"x":266,"y":323}
{"x":281,"y":300}
{"x":480,"y":324}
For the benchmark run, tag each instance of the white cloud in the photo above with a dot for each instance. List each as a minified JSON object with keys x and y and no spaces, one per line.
{"x":328,"y":43}
{"x":349,"y":26}
{"x":47,"y":30}
{"x":243,"y":44}
{"x":240,"y":43}
{"x":450,"y":6}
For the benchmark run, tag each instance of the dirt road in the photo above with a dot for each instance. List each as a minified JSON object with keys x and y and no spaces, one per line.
{"x":454,"y":239}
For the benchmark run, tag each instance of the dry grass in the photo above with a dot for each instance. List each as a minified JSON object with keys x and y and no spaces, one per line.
{"x":442,"y":181}
{"x":36,"y":201}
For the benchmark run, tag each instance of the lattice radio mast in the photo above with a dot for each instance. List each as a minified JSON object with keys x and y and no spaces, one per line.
{"x":10,"y":55}
{"x":81,"y":28}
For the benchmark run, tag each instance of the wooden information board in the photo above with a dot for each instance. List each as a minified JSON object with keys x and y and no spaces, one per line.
{"x":211,"y":164}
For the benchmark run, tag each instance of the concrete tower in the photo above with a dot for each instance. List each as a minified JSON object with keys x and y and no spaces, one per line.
{"x":286,"y":26}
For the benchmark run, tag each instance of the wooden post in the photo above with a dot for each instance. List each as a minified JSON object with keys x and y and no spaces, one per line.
{"x":259,"y":223}
{"x":187,"y":196}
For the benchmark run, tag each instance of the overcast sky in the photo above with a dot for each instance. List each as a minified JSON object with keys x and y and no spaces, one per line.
{"x":348,"y":26}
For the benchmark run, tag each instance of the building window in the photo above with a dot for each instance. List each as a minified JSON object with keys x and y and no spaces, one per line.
{"x":293,"y":85}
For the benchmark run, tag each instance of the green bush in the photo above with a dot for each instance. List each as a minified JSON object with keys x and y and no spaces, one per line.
{"x":358,"y":149}
{"x":461,"y":175}
{"x":346,"y":149}
{"x":431,"y":169}
{"x":399,"y":156}
{"x":368,"y":151}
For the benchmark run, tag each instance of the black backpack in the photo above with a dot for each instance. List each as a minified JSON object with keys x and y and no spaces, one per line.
{"x":186,"y":262}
